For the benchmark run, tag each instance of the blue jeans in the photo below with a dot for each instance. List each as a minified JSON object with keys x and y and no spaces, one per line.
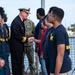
{"x":43,"y":66}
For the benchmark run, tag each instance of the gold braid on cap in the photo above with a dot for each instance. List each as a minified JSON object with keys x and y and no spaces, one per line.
{"x":27,"y":10}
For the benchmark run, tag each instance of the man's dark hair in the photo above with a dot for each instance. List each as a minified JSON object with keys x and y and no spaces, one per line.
{"x":2,"y":10}
{"x":51,"y":8}
{"x":41,"y":11}
{"x":59,"y":13}
{"x":5,"y":17}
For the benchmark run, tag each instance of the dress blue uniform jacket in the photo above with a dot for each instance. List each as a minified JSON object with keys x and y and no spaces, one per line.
{"x":3,"y":51}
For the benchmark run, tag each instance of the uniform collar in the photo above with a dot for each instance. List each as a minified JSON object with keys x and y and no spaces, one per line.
{"x":21,"y":18}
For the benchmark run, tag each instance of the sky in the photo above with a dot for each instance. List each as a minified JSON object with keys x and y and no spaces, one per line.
{"x":11,"y":8}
